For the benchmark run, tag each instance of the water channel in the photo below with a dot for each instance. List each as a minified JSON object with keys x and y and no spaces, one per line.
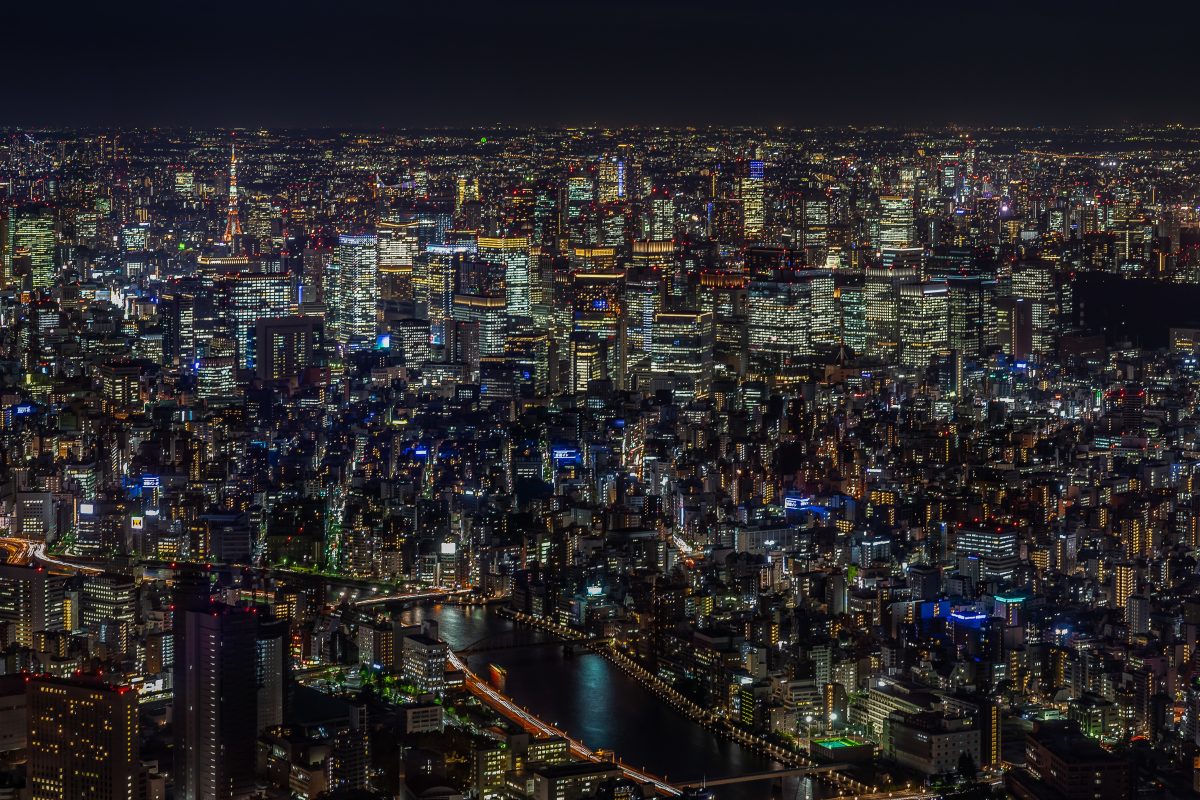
{"x":598,"y":704}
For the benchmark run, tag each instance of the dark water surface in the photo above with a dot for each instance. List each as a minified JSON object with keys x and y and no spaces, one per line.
{"x":595,"y":702}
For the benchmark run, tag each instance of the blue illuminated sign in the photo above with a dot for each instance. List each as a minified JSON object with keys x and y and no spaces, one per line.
{"x":564,"y":455}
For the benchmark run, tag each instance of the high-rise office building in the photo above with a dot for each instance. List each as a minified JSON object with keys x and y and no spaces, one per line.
{"x":352,"y":289}
{"x":660,"y":217}
{"x":611,"y":179}
{"x":482,"y":322}
{"x":751,"y":193}
{"x":792,"y":316}
{"x":514,"y":253}
{"x":29,"y":249}
{"x":433,"y":286}
{"x":82,"y":739}
{"x":816,"y":228}
{"x":923,"y":324}
{"x":399,"y":247}
{"x":247,"y":297}
{"x":1034,"y":282}
{"x":643,"y":300}
{"x":270,"y":669}
{"x":681,"y":352}
{"x":969,"y":304}
{"x":109,"y":609}
{"x":285,"y":346}
{"x":597,"y":327}
{"x":881,"y":302}
{"x":31,"y":600}
{"x":216,"y":708}
{"x":851,"y":307}
{"x":896,"y":221}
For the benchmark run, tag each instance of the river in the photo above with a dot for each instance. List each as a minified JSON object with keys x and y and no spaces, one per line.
{"x":598,"y":704}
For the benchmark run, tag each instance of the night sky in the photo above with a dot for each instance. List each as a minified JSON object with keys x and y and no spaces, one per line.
{"x":368,"y":63}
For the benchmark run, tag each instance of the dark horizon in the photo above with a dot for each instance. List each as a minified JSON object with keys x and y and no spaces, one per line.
{"x":368,"y":64}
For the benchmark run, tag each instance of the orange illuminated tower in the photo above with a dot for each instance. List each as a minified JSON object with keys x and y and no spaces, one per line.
{"x":233,"y":225}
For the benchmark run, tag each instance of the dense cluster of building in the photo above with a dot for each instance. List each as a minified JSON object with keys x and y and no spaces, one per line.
{"x":880,"y":445}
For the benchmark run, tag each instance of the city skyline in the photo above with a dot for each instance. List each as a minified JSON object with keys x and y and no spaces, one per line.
{"x":674,"y":436}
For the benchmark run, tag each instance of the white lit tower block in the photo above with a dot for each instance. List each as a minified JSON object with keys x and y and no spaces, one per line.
{"x":924,"y":323}
{"x":897,"y":226}
{"x":352,"y":293}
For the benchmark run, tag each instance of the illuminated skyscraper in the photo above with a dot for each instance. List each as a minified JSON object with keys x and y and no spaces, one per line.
{"x":851,"y":305}
{"x":923,"y":323}
{"x":791,"y":317}
{"x":751,"y":193}
{"x":881,"y":295}
{"x":353,"y":292}
{"x":30,"y":247}
{"x":644,"y":300}
{"x":83,"y":740}
{"x":816,"y":228}
{"x":398,"y":250}
{"x":896,"y":221}
{"x":216,"y":369}
{"x":682,"y":352}
{"x":597,"y":329}
{"x":513,"y":252}
{"x":250,"y":296}
{"x":611,"y":179}
{"x":31,"y":600}
{"x":969,"y":305}
{"x":1034,"y":282}
{"x":576,"y":210}
{"x":484,"y":321}
{"x":466,"y":190}
{"x":109,"y":606}
{"x":660,"y":219}
{"x":1124,"y":577}
{"x":433,"y":285}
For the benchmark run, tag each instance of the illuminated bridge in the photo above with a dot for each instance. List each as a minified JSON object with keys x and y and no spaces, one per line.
{"x":750,"y":777}
{"x":524,"y":637}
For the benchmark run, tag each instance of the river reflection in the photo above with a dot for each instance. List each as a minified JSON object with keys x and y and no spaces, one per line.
{"x":595,"y":702}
